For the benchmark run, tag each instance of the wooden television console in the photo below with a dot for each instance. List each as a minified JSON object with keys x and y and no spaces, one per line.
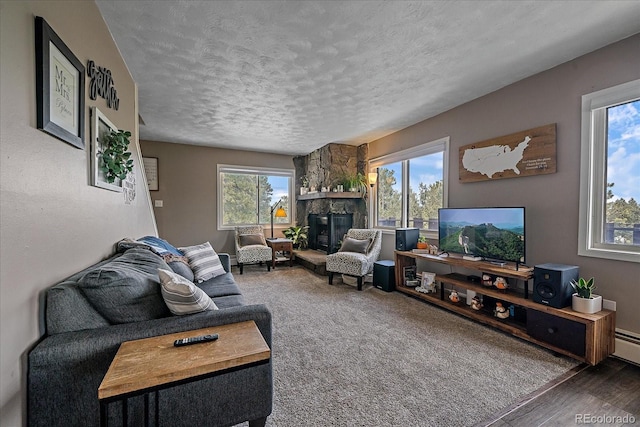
{"x":589,"y":338}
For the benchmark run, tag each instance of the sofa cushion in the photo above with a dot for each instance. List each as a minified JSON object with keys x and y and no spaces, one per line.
{"x":229,"y":301}
{"x":182,"y":269}
{"x":182,"y":296}
{"x":68,"y":310}
{"x":127,"y":289}
{"x":220,"y":286}
{"x":204,"y":261}
{"x":350,"y":244}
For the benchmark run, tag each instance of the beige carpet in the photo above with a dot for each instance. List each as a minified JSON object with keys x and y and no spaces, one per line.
{"x":372,"y":358}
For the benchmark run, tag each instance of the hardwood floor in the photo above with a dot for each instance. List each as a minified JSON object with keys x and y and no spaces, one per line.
{"x":611,"y":389}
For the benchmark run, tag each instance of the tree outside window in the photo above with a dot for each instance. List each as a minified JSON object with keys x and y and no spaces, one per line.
{"x":411,"y":187}
{"x":246,"y":195}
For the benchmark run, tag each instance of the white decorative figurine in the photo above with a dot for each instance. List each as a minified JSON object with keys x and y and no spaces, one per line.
{"x":501,"y":312}
{"x":454,"y":296}
{"x":476,"y":304}
{"x":486,"y":280}
{"x":501,"y":283}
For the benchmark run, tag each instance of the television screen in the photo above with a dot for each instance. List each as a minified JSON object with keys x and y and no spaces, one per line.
{"x":495,"y":234}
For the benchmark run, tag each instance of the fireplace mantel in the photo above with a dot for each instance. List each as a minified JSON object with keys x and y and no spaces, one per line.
{"x":330,"y":195}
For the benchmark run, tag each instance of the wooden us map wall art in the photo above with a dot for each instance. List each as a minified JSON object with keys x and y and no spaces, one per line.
{"x":526,"y":153}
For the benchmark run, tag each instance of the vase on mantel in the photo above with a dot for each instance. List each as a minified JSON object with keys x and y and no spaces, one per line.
{"x":303,"y":191}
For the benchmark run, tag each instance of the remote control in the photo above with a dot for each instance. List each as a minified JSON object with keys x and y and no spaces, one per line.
{"x":195,"y":340}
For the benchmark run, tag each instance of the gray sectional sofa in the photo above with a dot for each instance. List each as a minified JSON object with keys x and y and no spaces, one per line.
{"x":86,"y":317}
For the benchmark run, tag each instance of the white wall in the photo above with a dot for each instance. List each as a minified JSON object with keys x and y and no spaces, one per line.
{"x":52,"y":221}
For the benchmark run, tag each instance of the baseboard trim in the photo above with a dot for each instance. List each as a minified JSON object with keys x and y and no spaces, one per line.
{"x":627,"y":346}
{"x":534,"y":395}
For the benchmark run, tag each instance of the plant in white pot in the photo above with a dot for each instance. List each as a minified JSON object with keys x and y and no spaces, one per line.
{"x":584,"y":300}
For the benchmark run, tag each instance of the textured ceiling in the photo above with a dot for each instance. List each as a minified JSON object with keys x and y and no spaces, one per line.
{"x":289,"y":77}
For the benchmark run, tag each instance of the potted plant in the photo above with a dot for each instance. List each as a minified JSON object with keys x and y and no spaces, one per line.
{"x":298,"y":235}
{"x":305,"y":185}
{"x":355,"y":183}
{"x":584,"y":300}
{"x":422,"y":243}
{"x":114,"y":160}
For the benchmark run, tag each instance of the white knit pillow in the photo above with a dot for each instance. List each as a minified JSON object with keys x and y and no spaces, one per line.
{"x":182,"y":296}
{"x":204,"y":261}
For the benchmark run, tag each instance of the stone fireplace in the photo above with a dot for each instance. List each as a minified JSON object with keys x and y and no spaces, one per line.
{"x":325,"y":167}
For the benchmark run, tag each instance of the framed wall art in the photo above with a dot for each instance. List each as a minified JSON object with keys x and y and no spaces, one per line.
{"x":59,"y":87}
{"x":100,"y":128}
{"x":151,"y":172}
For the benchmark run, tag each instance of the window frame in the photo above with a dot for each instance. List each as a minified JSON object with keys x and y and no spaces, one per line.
{"x":254,"y":170}
{"x":593,"y":166}
{"x":405,"y":156}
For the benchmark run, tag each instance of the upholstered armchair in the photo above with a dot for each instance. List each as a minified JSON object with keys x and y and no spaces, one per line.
{"x":251,"y":246}
{"x":360,"y":249}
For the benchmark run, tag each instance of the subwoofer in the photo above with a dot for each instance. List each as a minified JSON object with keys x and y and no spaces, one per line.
{"x":406,"y":238}
{"x":552,"y":284}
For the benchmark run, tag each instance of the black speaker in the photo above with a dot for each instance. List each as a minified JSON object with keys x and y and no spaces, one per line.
{"x":406,"y":238}
{"x":552,"y":284}
{"x":384,"y":275}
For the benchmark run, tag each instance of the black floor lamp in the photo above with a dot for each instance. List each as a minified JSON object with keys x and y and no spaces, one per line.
{"x":280,"y":213}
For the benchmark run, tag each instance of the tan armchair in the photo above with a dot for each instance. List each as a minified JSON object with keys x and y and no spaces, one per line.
{"x":360,"y":250}
{"x":251,"y":246}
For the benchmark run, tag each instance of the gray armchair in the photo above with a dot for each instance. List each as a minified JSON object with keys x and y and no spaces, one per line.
{"x":251,"y":246}
{"x":360,"y":250}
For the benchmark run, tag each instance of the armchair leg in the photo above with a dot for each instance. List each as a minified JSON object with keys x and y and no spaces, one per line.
{"x":268,"y":266}
{"x":241,"y":266}
{"x":331,"y":278}
{"x":359,"y":283}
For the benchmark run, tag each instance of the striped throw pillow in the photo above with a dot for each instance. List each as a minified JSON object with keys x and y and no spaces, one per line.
{"x":182,"y":296}
{"x":204,"y":261}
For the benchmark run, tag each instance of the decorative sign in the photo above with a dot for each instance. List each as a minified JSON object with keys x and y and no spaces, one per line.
{"x":129,"y":188}
{"x":101,"y":83}
{"x":151,"y":172}
{"x":526,"y":153}
{"x":59,"y":87}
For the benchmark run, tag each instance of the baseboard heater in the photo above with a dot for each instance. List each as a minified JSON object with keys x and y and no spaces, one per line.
{"x":627,"y":346}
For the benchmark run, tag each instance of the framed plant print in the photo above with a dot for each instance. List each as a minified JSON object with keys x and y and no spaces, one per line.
{"x":59,"y":87}
{"x":100,"y":128}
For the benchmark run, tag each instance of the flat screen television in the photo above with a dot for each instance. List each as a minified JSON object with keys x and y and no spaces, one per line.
{"x":493,"y":234}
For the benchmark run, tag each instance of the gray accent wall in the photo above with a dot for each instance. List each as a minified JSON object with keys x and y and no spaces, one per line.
{"x":52,"y":221}
{"x":551,"y":201}
{"x":188,"y":188}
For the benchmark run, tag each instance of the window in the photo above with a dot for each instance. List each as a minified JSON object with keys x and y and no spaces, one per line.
{"x":609,"y":225}
{"x":246,"y":195}
{"x":411,"y":187}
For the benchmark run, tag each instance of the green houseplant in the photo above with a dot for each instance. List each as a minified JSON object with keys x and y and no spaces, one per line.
{"x":584,"y":300}
{"x":298,"y":235}
{"x":355,"y":183}
{"x":114,"y":159}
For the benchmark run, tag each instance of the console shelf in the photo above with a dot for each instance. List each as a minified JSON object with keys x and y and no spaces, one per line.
{"x":589,"y":338}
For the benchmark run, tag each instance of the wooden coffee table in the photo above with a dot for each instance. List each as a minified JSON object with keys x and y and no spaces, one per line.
{"x":281,"y":245}
{"x":152,"y":364}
